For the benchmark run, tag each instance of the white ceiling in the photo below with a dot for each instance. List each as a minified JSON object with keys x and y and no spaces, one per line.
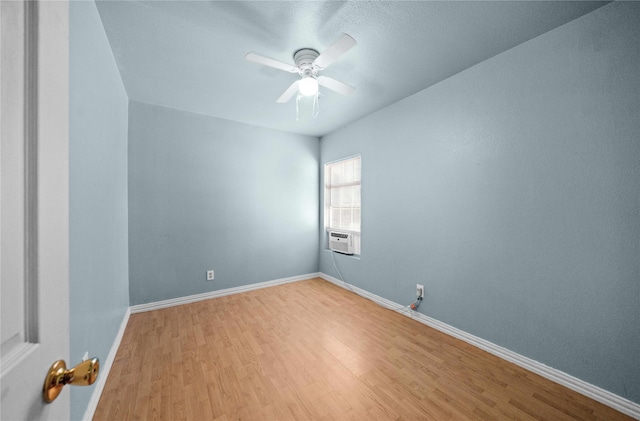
{"x":189,"y":55}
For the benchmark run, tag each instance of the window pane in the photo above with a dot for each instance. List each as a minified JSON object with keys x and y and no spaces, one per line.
{"x":346,"y":196}
{"x":345,"y":218}
{"x":342,"y":195}
{"x":336,"y":173}
{"x":356,"y":219}
{"x":335,"y":197}
{"x":335,"y":218}
{"x":348,"y":172}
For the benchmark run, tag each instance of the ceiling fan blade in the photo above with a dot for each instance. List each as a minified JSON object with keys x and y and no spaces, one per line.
{"x":289,"y":93}
{"x":334,"y":52}
{"x":257,"y":58}
{"x":335,"y":85}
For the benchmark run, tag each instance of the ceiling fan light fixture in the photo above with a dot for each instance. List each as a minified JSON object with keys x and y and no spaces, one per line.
{"x":308,"y":62}
{"x":308,"y":86}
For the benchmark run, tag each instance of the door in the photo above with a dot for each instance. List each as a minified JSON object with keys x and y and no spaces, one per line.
{"x":34,"y":197}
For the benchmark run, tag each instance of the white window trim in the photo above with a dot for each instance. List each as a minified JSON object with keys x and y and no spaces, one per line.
{"x":327,"y":187}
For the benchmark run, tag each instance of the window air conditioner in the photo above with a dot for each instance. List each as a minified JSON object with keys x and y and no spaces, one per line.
{"x":342,"y":242}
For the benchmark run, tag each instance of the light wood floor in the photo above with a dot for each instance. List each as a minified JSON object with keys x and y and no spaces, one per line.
{"x":312,"y":351}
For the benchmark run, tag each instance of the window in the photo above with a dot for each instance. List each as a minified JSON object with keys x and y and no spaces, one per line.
{"x":342,"y":197}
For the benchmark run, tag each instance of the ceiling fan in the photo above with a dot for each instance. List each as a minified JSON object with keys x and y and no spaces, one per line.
{"x":308,"y":62}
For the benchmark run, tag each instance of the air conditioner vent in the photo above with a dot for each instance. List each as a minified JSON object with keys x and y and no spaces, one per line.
{"x":342,"y":242}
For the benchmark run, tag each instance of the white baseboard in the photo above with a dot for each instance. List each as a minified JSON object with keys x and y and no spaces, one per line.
{"x":105,"y":368}
{"x":594,"y":392}
{"x":140,"y":308}
{"x":603,"y":396}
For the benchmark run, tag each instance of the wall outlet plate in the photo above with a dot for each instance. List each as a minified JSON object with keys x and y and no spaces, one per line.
{"x":210,"y":275}
{"x":419,"y":290}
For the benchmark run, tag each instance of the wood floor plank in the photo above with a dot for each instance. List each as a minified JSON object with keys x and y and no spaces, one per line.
{"x":312,"y":351}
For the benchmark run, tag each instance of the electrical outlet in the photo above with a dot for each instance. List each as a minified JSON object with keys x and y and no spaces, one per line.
{"x":419,"y":290}
{"x":210,"y":275}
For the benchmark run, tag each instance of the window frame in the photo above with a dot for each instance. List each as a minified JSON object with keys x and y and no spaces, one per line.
{"x":327,"y":199}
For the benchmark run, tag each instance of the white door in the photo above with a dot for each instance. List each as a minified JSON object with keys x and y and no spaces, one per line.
{"x":34,"y":197}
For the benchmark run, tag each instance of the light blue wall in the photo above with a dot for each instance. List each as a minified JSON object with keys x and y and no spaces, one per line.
{"x":512,"y":192}
{"x":99,"y":277}
{"x":207,"y":193}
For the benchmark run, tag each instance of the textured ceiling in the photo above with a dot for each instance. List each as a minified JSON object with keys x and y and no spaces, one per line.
{"x":189,"y":55}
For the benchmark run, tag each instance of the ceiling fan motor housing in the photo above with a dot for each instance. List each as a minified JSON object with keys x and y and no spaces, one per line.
{"x":308,"y":63}
{"x":304,"y":58}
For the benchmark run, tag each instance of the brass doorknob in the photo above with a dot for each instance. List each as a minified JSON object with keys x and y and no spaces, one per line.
{"x":84,"y":374}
